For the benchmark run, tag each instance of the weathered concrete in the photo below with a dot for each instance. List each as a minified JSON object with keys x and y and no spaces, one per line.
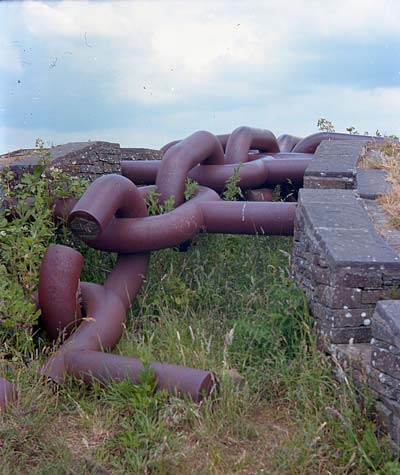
{"x":85,"y":159}
{"x":334,"y":164}
{"x":371,"y":183}
{"x":346,"y":257}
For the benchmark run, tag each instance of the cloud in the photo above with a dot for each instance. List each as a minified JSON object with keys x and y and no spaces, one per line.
{"x":128,"y":67}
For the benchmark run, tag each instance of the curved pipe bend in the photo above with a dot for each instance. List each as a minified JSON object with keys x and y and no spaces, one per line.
{"x":200,"y":147}
{"x":103,"y":307}
{"x":108,"y":196}
{"x":223,"y":138}
{"x":287,"y":142}
{"x":130,"y":235}
{"x":252,"y":174}
{"x":243,"y":139}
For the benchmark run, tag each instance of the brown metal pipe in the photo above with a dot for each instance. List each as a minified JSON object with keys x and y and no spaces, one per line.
{"x":183,"y":223}
{"x":154,"y":232}
{"x":289,"y":155}
{"x":108,"y":196}
{"x":62,"y":207}
{"x":90,"y":366}
{"x":260,"y":194}
{"x":105,"y":312}
{"x":8,"y":393}
{"x":58,"y":289}
{"x":141,"y":172}
{"x":252,"y":174}
{"x":243,"y":217}
{"x":285,"y":170}
{"x":223,"y":138}
{"x":287,"y":142}
{"x":200,"y":147}
{"x":105,"y":309}
{"x":243,"y":139}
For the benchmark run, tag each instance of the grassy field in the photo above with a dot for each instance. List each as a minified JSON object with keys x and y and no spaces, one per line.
{"x":228,"y":305}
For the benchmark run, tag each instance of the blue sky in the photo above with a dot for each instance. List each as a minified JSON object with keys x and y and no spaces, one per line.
{"x":144,"y":73}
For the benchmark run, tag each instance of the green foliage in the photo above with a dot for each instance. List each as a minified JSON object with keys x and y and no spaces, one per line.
{"x":152,"y":199}
{"x":228,"y":304}
{"x":232,"y":191}
{"x":191,"y":187}
{"x":325,"y":125}
{"x":352,"y":130}
{"x":154,"y":207}
{"x":26,"y":230}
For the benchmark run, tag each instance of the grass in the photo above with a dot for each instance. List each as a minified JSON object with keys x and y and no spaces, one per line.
{"x":388,"y":160}
{"x":228,"y":304}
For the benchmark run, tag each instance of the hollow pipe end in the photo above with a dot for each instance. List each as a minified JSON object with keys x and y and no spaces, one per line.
{"x":207,"y":387}
{"x":54,"y":369}
{"x":84,"y":226}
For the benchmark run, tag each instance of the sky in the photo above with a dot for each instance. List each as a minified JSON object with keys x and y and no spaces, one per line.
{"x":142,"y":73}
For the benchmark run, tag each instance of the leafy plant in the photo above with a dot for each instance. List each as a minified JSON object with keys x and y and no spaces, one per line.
{"x":191,"y":187}
{"x":26,"y":230}
{"x":325,"y":125}
{"x":232,"y":191}
{"x":154,"y":207}
{"x":352,"y":130}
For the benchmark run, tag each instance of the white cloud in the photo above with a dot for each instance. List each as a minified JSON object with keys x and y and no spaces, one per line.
{"x":240,"y":59}
{"x":365,"y":110}
{"x":163,"y":52}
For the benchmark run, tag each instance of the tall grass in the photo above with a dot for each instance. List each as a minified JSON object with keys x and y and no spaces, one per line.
{"x":228,"y":304}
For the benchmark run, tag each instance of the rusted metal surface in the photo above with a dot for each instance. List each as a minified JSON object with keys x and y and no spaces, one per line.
{"x":223,"y":138}
{"x":112,"y":216}
{"x":200,"y":147}
{"x":260,"y":194}
{"x":88,"y":319}
{"x":243,"y":139}
{"x":201,"y":213}
{"x":287,"y":142}
{"x":262,"y":171}
{"x":91,"y":366}
{"x":58,"y":284}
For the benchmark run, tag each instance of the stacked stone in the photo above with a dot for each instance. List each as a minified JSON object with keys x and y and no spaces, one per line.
{"x":341,"y":262}
{"x":87,"y":159}
{"x":140,"y":154}
{"x":384,"y":374}
{"x":334,"y":165}
{"x":84,"y":159}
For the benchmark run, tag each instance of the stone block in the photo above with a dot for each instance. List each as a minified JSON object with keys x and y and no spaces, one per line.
{"x":372,"y":183}
{"x":338,"y":297}
{"x":373,"y":295}
{"x":386,"y":362}
{"x":386,"y":322}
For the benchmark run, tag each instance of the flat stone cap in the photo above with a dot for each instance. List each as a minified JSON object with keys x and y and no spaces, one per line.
{"x":336,"y":158}
{"x":345,"y":231}
{"x":372,"y":183}
{"x":32,"y":156}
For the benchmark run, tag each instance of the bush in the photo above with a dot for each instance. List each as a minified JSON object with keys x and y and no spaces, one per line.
{"x":26,"y":230}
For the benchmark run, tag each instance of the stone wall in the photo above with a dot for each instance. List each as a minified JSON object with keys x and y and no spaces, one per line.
{"x":85,"y":159}
{"x":346,"y":257}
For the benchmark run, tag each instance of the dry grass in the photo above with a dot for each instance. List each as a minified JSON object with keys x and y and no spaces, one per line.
{"x":387,"y":157}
